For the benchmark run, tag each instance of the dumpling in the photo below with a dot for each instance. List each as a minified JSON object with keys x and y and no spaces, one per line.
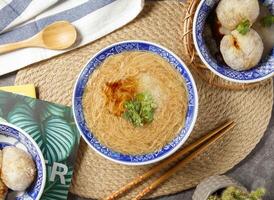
{"x":232,"y":12}
{"x":18,"y":169}
{"x":3,"y":187}
{"x":242,"y":52}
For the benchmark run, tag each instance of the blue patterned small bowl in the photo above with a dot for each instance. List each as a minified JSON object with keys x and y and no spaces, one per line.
{"x":95,"y":62}
{"x":13,"y":136}
{"x":263,"y":70}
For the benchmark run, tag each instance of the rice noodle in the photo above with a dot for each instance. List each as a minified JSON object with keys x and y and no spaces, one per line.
{"x":154,"y":75}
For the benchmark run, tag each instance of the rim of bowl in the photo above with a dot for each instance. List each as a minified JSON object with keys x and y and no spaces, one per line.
{"x":38,"y":151}
{"x":192,"y":123}
{"x":208,"y":65}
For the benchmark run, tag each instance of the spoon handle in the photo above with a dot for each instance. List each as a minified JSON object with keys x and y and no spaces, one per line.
{"x":13,"y":46}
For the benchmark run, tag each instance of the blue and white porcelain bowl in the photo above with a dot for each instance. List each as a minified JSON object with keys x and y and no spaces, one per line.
{"x":262,"y":71}
{"x":11,"y":135}
{"x":95,"y":62}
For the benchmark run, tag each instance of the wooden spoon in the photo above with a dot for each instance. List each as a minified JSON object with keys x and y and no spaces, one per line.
{"x":56,"y":36}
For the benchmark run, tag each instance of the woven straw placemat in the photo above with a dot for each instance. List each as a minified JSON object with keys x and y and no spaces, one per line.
{"x":160,"y":22}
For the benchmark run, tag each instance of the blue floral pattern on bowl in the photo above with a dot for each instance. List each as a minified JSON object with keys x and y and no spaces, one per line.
{"x":263,"y":70}
{"x":12,"y":136}
{"x":135,"y":46}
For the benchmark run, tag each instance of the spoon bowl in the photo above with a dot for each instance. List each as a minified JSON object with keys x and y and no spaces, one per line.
{"x":59,"y":35}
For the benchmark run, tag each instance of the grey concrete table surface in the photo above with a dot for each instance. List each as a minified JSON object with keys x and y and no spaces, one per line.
{"x":256,"y":170}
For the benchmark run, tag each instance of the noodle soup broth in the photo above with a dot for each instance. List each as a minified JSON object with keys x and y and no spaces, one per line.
{"x":118,"y":80}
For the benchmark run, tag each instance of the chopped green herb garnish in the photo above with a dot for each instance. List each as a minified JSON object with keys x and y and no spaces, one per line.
{"x":140,"y":110}
{"x":267,"y":21}
{"x":234,"y":193}
{"x":243,"y":27}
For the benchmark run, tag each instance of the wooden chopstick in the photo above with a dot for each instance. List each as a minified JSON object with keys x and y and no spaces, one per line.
{"x":182,"y":163}
{"x":169,"y":160}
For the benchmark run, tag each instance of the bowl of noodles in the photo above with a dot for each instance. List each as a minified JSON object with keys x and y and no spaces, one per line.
{"x":135,"y":102}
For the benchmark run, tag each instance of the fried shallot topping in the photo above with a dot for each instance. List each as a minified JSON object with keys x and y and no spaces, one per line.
{"x":118,"y":92}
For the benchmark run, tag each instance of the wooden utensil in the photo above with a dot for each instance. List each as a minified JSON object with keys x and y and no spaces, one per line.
{"x":57,"y":36}
{"x":204,"y":141}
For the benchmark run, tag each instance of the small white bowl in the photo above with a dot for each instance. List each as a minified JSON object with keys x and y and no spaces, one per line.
{"x":11,"y":135}
{"x":264,"y":70}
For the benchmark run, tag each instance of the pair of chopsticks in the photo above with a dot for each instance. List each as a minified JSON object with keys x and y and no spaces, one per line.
{"x":204,"y":142}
